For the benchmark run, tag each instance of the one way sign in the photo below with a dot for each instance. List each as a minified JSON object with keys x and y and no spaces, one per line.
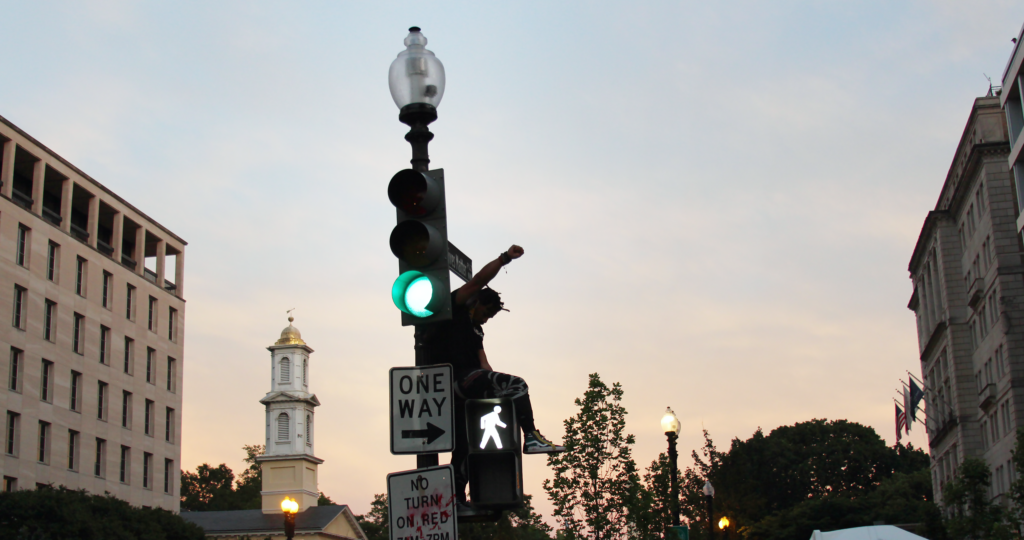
{"x":421,"y":410}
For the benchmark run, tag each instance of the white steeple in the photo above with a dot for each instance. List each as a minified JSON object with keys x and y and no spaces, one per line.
{"x":289,"y":463}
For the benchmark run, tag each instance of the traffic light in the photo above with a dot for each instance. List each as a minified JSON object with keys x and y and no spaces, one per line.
{"x":420,"y":241}
{"x":495,"y":456}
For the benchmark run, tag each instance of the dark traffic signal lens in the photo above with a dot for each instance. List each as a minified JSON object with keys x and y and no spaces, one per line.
{"x":414,"y":193}
{"x":416,"y":243}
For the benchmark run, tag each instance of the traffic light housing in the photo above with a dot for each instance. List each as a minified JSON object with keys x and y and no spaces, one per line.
{"x":494,"y":463}
{"x":420,"y":241}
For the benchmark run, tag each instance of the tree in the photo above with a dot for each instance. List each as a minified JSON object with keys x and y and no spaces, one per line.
{"x":520,"y":524}
{"x":596,"y":485}
{"x":656,"y":498}
{"x":972,"y":514}
{"x":208,"y":489}
{"x":812,"y":475}
{"x":250,"y":481}
{"x":375,"y":522}
{"x":52,"y":513}
{"x":324,"y":500}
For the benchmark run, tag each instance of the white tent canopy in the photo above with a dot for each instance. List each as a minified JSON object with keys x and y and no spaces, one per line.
{"x":874,"y":532}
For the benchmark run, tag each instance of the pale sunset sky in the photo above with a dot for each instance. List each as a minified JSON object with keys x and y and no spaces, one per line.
{"x":718,"y":201}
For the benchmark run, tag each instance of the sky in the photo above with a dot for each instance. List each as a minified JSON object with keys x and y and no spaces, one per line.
{"x":718,"y":202}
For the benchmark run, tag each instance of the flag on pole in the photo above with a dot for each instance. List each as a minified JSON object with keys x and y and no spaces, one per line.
{"x":901,"y":422}
{"x":906,"y":409}
{"x":916,"y":395}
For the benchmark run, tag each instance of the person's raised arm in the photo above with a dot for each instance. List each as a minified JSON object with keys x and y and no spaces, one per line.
{"x":486,"y":274}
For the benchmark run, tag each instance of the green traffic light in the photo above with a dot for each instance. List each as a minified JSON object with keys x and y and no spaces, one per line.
{"x":412,"y":293}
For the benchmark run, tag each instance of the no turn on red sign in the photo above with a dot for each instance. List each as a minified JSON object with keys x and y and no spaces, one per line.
{"x":421,"y":504}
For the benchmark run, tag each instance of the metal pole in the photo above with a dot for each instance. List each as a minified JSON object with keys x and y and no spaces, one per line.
{"x":289,"y":525}
{"x":674,"y":491}
{"x":711,"y":517}
{"x":418,"y":116}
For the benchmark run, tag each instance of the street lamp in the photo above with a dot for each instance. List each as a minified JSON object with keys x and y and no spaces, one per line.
{"x":670,"y":425}
{"x":289,"y":507}
{"x":709,"y":496}
{"x":416,"y":80}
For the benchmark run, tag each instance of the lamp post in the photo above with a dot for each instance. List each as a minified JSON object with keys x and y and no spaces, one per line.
{"x":416,"y":81}
{"x":709,"y":496}
{"x":670,"y":425}
{"x":289,"y":507}
{"x":723,"y":524}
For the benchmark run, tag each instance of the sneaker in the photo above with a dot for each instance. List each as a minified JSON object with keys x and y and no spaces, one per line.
{"x":535,"y":443}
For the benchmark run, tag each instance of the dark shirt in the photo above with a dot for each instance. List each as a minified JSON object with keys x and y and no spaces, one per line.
{"x":457,"y":342}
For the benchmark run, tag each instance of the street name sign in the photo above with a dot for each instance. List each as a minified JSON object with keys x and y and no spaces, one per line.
{"x":421,"y":410}
{"x":421,"y":504}
{"x":459,"y":263}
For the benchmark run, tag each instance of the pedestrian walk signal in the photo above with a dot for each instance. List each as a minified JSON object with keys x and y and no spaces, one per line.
{"x":494,"y":463}
{"x":420,"y":242}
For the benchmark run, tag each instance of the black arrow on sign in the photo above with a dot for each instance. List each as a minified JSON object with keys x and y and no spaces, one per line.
{"x":431,"y":433}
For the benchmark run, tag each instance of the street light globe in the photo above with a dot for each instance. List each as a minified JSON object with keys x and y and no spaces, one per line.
{"x":416,"y":76}
{"x":669,"y":422}
{"x":709,"y":490}
{"x":723,"y":523}
{"x":289,"y":506}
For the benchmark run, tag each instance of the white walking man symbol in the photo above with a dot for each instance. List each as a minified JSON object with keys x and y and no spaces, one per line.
{"x":487,"y":423}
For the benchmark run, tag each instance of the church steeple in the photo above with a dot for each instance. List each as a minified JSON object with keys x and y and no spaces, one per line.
{"x":289,"y":463}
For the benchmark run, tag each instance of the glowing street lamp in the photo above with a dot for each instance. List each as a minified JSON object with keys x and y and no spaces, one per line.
{"x":289,"y":507}
{"x":723,"y":523}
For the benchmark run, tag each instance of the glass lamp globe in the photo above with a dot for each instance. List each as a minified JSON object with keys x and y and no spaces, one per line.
{"x":709,"y":490}
{"x":416,"y":76}
{"x":669,"y":422}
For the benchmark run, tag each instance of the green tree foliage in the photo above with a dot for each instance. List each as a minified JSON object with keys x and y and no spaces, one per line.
{"x":58,"y":513}
{"x":596,"y":487}
{"x":375,"y":522}
{"x":250,"y":481}
{"x":656,"y":499}
{"x":324,"y":500}
{"x":216,"y":488}
{"x":972,"y":515}
{"x":520,"y":524}
{"x":812,"y":475}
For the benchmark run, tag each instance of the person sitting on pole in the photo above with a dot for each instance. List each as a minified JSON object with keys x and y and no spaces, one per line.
{"x":460,"y":342}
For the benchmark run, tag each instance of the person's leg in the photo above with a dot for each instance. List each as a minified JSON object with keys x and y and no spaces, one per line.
{"x":503,"y":385}
{"x":461,"y":450}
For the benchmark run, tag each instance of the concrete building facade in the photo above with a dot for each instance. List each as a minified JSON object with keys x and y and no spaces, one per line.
{"x":93,"y":355}
{"x":968,"y":296}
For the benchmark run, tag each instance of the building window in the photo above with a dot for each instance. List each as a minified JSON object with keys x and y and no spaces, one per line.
{"x":126,"y":409}
{"x":150,"y":368}
{"x":169,"y":425}
{"x":99,"y":466}
{"x":44,"y":442}
{"x":168,"y":467}
{"x":126,"y":456}
{"x":286,"y":371}
{"x":130,"y":305}
{"x":108,"y":280}
{"x":22,"y":256}
{"x":52,"y":253}
{"x":104,"y":344}
{"x":309,"y":430}
{"x":172,"y":324}
{"x":13,"y":430}
{"x":77,"y":341}
{"x":46,"y":381}
{"x":282,"y":427}
{"x":147,"y":467}
{"x":73,"y":438}
{"x":80,"y":277}
{"x":49,"y":321}
{"x":305,"y":372}
{"x":20,"y":296}
{"x":17,"y":367}
{"x":76,"y":398}
{"x":149,"y":418}
{"x":101,"y":401}
{"x":172,"y":374}
{"x":129,"y":355}
{"x":152,"y":314}
{"x":10,"y":484}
